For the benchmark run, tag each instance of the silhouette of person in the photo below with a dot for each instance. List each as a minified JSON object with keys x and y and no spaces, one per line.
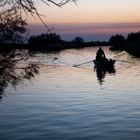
{"x":100,"y":55}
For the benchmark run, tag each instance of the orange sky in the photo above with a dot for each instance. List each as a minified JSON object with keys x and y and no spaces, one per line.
{"x":89,"y":17}
{"x":92,"y":11}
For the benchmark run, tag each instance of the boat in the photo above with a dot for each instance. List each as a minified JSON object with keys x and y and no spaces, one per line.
{"x":105,"y":65}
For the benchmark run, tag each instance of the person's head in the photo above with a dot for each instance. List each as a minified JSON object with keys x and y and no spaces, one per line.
{"x":100,"y":48}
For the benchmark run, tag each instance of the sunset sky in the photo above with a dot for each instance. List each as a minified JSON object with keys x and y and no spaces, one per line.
{"x":90,"y":19}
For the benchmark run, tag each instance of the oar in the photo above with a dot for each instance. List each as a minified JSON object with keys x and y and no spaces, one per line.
{"x":119,"y":54}
{"x":123,"y":61}
{"x":82,"y":63}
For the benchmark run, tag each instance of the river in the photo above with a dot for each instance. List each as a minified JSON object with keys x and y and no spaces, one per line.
{"x":64,"y":102}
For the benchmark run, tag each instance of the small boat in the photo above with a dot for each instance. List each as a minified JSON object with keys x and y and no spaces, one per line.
{"x":105,"y":65}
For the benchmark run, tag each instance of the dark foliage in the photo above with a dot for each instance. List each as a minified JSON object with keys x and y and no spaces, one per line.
{"x":131,"y":44}
{"x":133,"y":37}
{"x":44,"y":39}
{"x":117,"y":42}
{"x":12,"y":69}
{"x":78,"y":40}
{"x":11,"y":27}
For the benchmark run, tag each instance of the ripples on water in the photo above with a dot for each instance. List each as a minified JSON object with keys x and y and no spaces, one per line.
{"x":65,"y":102}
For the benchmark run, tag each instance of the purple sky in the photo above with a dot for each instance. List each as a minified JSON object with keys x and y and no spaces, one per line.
{"x":89,"y":32}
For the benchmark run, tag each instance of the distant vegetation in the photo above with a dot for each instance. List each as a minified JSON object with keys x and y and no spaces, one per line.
{"x":78,"y":40}
{"x":13,"y":29}
{"x":53,"y":42}
{"x":44,"y":38}
{"x":117,"y":42}
{"x":131,"y":43}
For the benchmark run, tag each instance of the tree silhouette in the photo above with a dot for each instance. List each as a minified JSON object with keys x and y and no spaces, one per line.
{"x":130,"y":44}
{"x":133,"y":43}
{"x":29,"y":6}
{"x":117,"y":42}
{"x":13,"y":70}
{"x":78,"y":40}
{"x":12,"y":26}
{"x":44,"y":38}
{"x":133,"y":37}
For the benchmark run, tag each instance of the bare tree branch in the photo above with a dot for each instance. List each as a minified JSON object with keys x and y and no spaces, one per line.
{"x":29,"y":7}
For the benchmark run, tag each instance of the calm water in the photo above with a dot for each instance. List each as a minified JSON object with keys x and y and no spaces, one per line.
{"x":70,"y":103}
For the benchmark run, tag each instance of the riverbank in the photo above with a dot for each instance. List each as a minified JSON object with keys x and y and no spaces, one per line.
{"x":132,"y":47}
{"x":130,"y":44}
{"x":52,"y":46}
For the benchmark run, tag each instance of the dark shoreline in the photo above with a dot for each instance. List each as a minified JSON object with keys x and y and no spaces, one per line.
{"x":131,"y":48}
{"x":48,"y":47}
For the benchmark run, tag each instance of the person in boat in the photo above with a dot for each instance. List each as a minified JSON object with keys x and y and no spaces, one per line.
{"x":100,"y":55}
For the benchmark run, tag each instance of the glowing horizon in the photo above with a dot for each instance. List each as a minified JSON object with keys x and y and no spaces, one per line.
{"x":90,"y":32}
{"x":91,"y":11}
{"x":89,"y":17}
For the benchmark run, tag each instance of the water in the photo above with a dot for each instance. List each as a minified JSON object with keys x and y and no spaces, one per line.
{"x":70,"y":103}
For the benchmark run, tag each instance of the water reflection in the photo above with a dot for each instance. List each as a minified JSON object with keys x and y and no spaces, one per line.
{"x":13,"y":70}
{"x":66,"y":102}
{"x":101,"y":73}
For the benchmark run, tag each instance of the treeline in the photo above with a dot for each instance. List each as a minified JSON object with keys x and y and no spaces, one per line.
{"x":53,"y":42}
{"x":131,"y":43}
{"x":48,"y":42}
{"x":13,"y":30}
